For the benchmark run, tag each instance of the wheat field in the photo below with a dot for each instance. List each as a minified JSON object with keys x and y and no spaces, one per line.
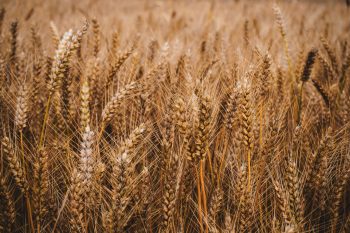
{"x":174,"y":116}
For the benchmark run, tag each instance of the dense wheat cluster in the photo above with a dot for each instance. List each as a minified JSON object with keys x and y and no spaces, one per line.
{"x":174,"y":116}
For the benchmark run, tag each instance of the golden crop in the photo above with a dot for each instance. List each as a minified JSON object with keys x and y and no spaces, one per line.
{"x":174,"y":116}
